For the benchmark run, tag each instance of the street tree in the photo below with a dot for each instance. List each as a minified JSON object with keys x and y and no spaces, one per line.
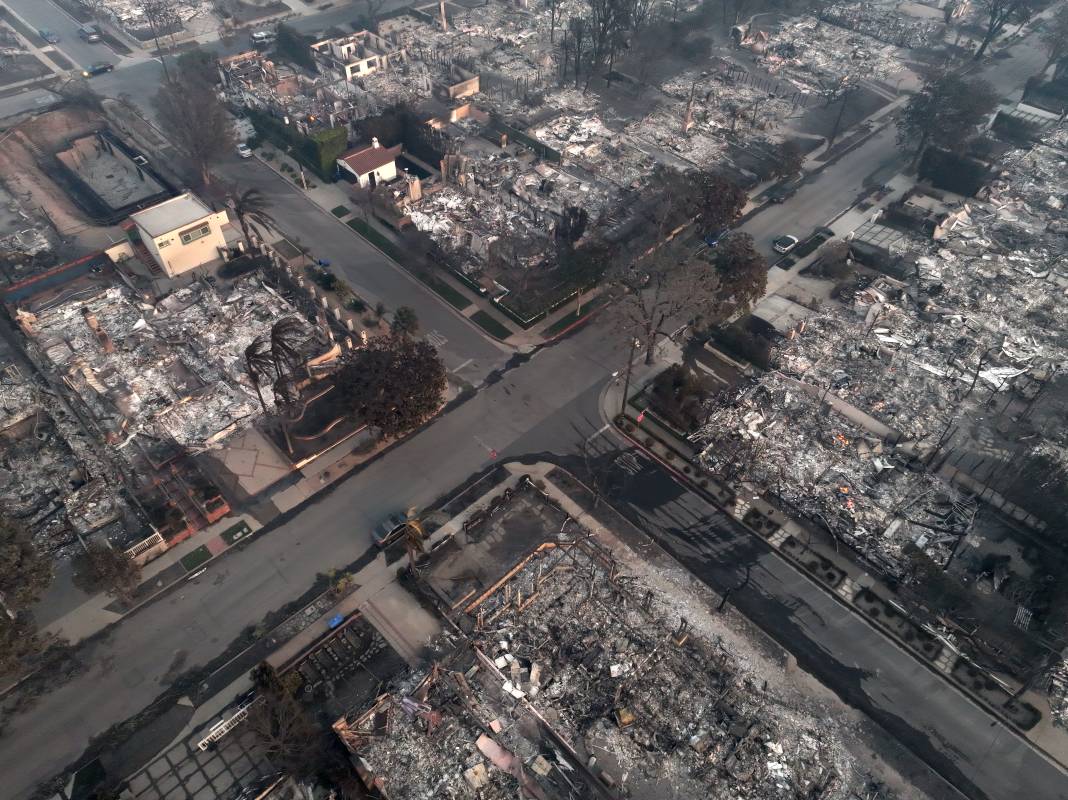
{"x":709,"y":200}
{"x":576,"y":36}
{"x":609,"y":20}
{"x":405,"y":322}
{"x":394,"y":384}
{"x":286,"y":733}
{"x":945,"y":113}
{"x":250,"y":208}
{"x":584,"y":265}
{"x":639,"y":13}
{"x":24,"y":572}
{"x":77,"y":93}
{"x":554,"y":15}
{"x":101,"y":568}
{"x":1000,"y":13}
{"x":572,"y":225}
{"x":741,"y":274}
{"x":788,"y":160}
{"x":162,"y":18}
{"x":24,"y":575}
{"x":1054,"y":38}
{"x":198,"y":66}
{"x":19,"y":641}
{"x":668,"y":288}
{"x":373,"y":9}
{"x":197,"y":123}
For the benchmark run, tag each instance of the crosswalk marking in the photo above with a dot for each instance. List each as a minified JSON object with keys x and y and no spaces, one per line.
{"x":630,"y":462}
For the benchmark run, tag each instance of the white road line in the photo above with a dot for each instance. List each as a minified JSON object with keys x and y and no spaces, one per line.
{"x":457,"y":369}
{"x":598,"y":432}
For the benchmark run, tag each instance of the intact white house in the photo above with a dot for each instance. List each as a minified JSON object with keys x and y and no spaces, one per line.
{"x":371,"y":165}
{"x":182,"y":233}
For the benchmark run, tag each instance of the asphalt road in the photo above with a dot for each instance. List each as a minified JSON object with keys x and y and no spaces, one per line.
{"x":465,"y":350}
{"x":546,"y":404}
{"x":549,"y":403}
{"x":827,"y":194}
{"x":38,"y":14}
{"x":136,"y":661}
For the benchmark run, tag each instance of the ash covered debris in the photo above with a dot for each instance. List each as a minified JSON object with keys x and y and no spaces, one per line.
{"x":51,"y":479}
{"x":577,"y":680}
{"x":872,"y":395}
{"x":171,"y":369}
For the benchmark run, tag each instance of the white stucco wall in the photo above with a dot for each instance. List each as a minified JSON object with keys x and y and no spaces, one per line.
{"x":177,"y":257}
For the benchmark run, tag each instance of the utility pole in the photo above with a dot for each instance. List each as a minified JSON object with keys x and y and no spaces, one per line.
{"x":846,"y":92}
{"x":626,"y":380}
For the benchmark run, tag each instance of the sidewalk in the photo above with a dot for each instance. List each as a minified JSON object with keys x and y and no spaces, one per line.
{"x":157,"y":575}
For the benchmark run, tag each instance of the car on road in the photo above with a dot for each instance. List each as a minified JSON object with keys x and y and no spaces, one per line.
{"x":48,"y":36}
{"x":262,"y":38}
{"x":89,"y":33}
{"x":784,"y":244}
{"x":98,"y":68}
{"x":783,"y":192}
{"x":713,"y":239}
{"x":244,"y":150}
{"x":390,"y":530}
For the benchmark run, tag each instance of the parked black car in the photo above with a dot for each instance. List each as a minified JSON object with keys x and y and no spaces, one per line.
{"x":99,"y":68}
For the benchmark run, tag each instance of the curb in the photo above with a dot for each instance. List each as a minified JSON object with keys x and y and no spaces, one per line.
{"x":580,"y":321}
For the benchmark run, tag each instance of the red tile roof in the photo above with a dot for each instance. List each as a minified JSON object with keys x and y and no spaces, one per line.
{"x":367,"y":159}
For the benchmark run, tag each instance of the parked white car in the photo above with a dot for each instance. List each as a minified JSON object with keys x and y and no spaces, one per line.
{"x":784,"y":244}
{"x":244,"y":150}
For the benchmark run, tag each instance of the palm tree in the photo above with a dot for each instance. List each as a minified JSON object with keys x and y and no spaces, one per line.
{"x":250,"y":207}
{"x":286,"y":337}
{"x":258,"y":365}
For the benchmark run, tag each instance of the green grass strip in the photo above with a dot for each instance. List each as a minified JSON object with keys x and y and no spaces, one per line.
{"x":453,"y":297}
{"x":195,"y":558}
{"x":340,"y":211}
{"x":379,"y":240}
{"x":490,"y":325}
{"x":236,"y":532}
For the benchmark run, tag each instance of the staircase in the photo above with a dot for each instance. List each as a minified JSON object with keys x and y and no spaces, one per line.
{"x":146,"y":258}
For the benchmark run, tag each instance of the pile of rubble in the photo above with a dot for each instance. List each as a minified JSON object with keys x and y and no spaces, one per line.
{"x":1057,"y":689}
{"x":574,"y":683}
{"x":815,"y":57}
{"x":173,"y":370}
{"x":885,"y":22}
{"x":831,"y":469}
{"x":870,"y":391}
{"x":51,"y":478}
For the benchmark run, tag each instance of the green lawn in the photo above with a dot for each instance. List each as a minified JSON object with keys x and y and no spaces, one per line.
{"x":453,"y":297}
{"x":572,"y":317}
{"x":195,"y":558}
{"x":490,"y":325}
{"x":340,"y":211}
{"x":379,"y":240}
{"x":236,"y":532}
